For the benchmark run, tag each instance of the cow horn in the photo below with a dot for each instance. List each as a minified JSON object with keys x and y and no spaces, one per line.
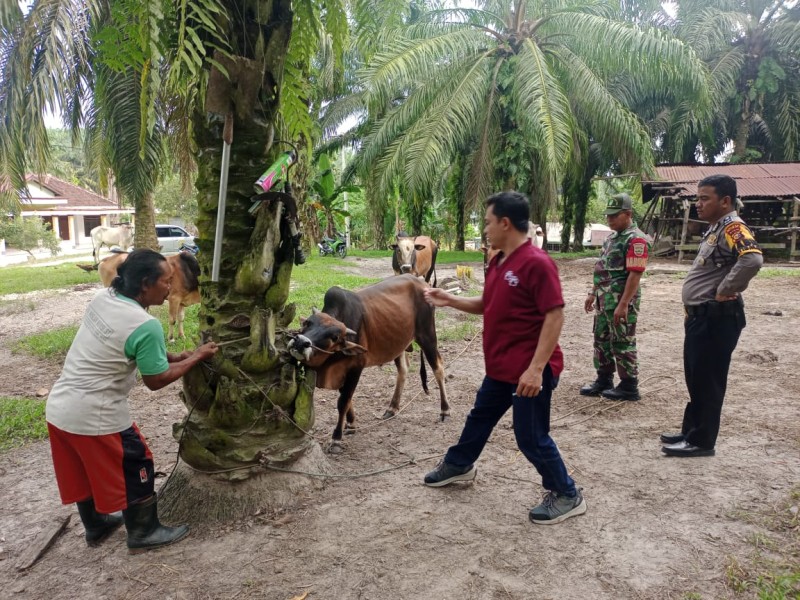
{"x":349,"y":331}
{"x":314,"y":310}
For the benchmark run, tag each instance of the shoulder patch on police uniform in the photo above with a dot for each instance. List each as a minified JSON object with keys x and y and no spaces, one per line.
{"x":740,"y":239}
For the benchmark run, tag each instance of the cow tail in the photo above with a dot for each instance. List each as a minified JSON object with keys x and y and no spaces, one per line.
{"x":423,"y":373}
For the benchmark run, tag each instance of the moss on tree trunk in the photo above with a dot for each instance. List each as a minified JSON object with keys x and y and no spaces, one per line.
{"x":249,"y":407}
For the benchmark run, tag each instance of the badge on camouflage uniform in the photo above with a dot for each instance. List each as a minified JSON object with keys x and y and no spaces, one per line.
{"x":639,"y":248}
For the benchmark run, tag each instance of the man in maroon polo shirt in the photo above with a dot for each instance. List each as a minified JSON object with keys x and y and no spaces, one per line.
{"x":523,"y":311}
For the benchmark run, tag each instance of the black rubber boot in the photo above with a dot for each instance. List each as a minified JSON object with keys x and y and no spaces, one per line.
{"x":145,"y":532}
{"x":98,"y":527}
{"x":604,"y":381}
{"x":628,"y":389}
{"x":299,"y":255}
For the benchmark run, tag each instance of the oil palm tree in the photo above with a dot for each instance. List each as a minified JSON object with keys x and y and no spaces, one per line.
{"x":512,"y":84}
{"x":206,"y":71}
{"x":80,"y":59}
{"x":751,"y":49}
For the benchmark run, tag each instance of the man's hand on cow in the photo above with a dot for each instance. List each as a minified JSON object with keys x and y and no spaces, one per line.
{"x":588,"y":304}
{"x":530,"y":383}
{"x":621,"y":313}
{"x":437,"y":297}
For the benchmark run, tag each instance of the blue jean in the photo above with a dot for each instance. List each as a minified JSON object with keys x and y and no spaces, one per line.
{"x":531,"y":417}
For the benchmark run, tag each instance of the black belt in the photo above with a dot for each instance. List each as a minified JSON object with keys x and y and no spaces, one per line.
{"x":714,"y":308}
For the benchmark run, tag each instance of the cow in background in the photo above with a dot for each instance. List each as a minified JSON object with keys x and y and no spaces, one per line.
{"x":415,"y":255}
{"x":101,"y":235}
{"x":368,"y":328}
{"x":184,"y":288}
{"x":535,"y":235}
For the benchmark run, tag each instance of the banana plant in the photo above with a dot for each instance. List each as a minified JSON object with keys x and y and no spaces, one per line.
{"x":329,"y":197}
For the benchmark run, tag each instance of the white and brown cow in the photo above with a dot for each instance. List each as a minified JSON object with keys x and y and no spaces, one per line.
{"x":184,"y":288}
{"x":415,"y":255}
{"x":101,"y":235}
{"x":369,"y":328}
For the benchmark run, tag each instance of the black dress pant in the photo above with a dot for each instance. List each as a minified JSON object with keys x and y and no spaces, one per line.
{"x":707,"y":349}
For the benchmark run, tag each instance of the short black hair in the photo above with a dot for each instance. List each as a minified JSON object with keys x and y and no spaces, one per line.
{"x":723,"y":185}
{"x":142,"y":267}
{"x":513,"y":205}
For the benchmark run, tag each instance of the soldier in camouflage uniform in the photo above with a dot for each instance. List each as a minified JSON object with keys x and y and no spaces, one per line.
{"x":615,"y":297}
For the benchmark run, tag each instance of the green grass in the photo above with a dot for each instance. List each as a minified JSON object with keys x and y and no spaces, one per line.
{"x":51,"y":344}
{"x":771,"y":571}
{"x":443,"y":257}
{"x":312,"y":280}
{"x":21,"y":421}
{"x":462,"y":330}
{"x":772,"y":273}
{"x":19,"y":280}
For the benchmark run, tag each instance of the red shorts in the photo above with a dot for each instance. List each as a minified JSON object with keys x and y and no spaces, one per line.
{"x":115,"y":469}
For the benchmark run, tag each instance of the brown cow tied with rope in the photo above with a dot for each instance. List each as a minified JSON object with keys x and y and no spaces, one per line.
{"x":369,"y":328}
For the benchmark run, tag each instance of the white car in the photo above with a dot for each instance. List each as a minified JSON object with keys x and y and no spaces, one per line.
{"x":170,"y":238}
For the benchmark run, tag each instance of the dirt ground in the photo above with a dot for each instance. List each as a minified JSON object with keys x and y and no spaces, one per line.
{"x":656,"y":527}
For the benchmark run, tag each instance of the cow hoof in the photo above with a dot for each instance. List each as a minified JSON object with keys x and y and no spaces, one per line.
{"x":443,"y":418}
{"x":388,"y":414}
{"x":349,"y":430}
{"x":335,"y":448}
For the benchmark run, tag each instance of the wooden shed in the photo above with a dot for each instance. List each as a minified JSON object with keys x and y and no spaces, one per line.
{"x":769,"y":192}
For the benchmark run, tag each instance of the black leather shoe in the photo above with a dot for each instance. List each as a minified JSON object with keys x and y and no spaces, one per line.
{"x":672,"y":438}
{"x":684,"y":448}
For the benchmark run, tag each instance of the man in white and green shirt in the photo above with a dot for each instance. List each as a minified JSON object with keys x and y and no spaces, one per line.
{"x":101,"y":460}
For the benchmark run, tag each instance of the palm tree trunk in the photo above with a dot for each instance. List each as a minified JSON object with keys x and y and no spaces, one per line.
{"x":248,"y":408}
{"x":460,"y":224}
{"x":144,"y":233}
{"x":742,"y":135}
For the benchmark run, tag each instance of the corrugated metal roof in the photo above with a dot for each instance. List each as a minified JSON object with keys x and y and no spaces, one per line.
{"x":768,"y":180}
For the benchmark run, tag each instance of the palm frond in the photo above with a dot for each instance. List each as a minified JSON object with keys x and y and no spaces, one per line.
{"x":137,"y":168}
{"x":448,"y":123}
{"x":480,"y":171}
{"x":340,"y":110}
{"x":787,"y":109}
{"x":612,"y":123}
{"x":543,"y":109}
{"x":409,"y":61}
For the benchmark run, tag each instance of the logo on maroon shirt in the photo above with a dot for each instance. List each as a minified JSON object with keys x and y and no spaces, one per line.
{"x":143,"y":475}
{"x":512,"y":279}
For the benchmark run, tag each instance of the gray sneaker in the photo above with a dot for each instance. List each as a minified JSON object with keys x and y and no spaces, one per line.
{"x":445,"y":473}
{"x":557,"y":507}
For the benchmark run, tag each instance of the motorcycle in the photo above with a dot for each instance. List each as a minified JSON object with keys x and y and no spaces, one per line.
{"x":330,"y":246}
